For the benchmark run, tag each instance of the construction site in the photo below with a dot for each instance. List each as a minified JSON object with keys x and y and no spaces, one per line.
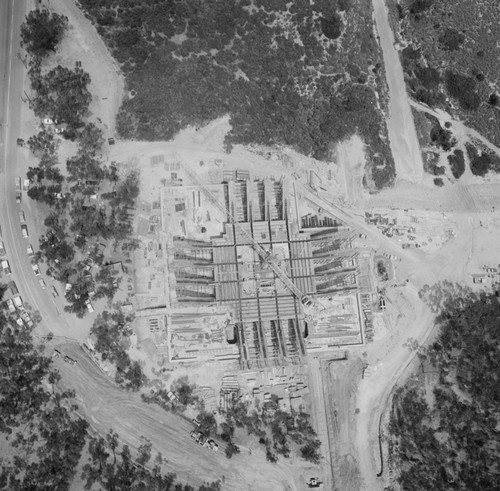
{"x":253,"y":275}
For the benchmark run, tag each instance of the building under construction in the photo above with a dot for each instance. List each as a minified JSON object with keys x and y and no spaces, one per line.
{"x":237,"y":248}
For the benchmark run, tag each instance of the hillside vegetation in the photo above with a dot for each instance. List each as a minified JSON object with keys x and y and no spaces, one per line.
{"x":450,"y":59}
{"x":298,"y":73}
{"x":445,"y":435}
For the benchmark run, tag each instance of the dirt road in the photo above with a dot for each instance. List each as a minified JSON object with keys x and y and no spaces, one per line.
{"x":444,"y":117}
{"x":107,"y":406}
{"x":400,"y":124}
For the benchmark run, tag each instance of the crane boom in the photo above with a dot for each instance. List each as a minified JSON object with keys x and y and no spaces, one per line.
{"x":265,"y":255}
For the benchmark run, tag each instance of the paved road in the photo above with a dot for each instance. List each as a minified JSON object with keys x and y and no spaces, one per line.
{"x":402,"y":133}
{"x":14,"y":163}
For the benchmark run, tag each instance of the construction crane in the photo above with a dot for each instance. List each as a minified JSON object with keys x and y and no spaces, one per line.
{"x":265,"y":255}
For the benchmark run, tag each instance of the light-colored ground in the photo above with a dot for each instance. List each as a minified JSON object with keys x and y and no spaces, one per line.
{"x":82,"y":43}
{"x":353,"y":436}
{"x":400,"y":125}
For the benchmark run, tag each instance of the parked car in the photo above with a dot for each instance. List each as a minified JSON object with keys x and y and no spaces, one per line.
{"x":26,"y":184}
{"x":88,"y":303}
{"x":18,"y":301}
{"x":69,"y":360}
{"x":54,"y":292}
{"x":10,"y":305}
{"x":35,"y":269}
{"x":24,"y":230}
{"x":13,"y":288}
{"x":30,"y":251}
{"x":18,"y":184}
{"x":2,"y":249}
{"x":6,"y":266}
{"x":42,"y":283}
{"x":27,"y":319}
{"x":19,"y":197}
{"x":22,"y":216}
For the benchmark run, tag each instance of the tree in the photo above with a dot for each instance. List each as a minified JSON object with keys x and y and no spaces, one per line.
{"x":451,"y":39}
{"x":42,"y":31}
{"x":310,"y":452}
{"x":184,"y":390}
{"x":90,"y":139}
{"x":457,"y":163}
{"x":332,"y":26}
{"x":463,"y":88}
{"x":231,"y":449}
{"x":62,"y":94}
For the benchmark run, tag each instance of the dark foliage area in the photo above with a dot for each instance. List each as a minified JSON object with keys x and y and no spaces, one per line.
{"x":451,"y":58}
{"x":45,"y":436}
{"x":454,"y":445}
{"x":451,"y":39}
{"x":112,"y":467}
{"x":42,"y":31}
{"x":111,"y":329}
{"x":463,"y":88}
{"x":442,"y":138}
{"x":277,"y":430}
{"x":457,"y":163}
{"x":189,"y":62}
{"x":61,"y":94}
{"x":431,"y":161}
{"x":77,"y":222}
{"x":332,"y":27}
{"x":419,"y":6}
{"x":482,"y":162}
{"x":494,"y":100}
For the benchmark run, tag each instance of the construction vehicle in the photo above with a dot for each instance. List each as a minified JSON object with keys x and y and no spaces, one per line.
{"x":265,"y":255}
{"x":314,"y":482}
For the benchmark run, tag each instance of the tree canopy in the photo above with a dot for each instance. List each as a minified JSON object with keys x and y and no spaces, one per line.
{"x":42,"y":31}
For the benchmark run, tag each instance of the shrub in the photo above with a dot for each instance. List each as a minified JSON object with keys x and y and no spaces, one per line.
{"x":451,"y":39}
{"x":438,"y":182}
{"x":42,"y":31}
{"x":231,"y":449}
{"x":463,"y":88}
{"x":310,"y":452}
{"x":332,"y":27}
{"x":457,"y":163}
{"x":428,"y":77}
{"x":442,"y":138}
{"x":419,"y":6}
